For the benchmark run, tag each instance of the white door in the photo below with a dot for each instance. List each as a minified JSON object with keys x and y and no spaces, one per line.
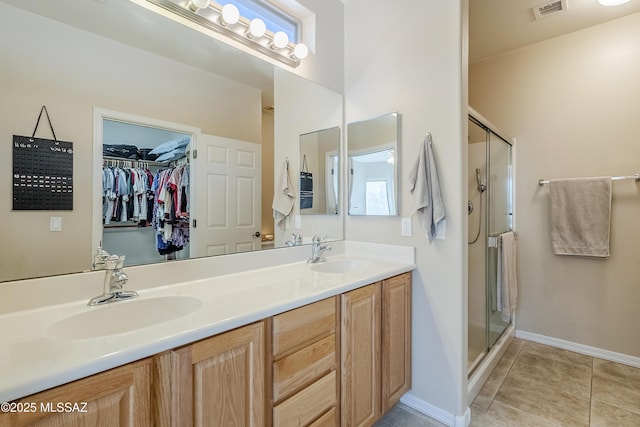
{"x":228,"y":196}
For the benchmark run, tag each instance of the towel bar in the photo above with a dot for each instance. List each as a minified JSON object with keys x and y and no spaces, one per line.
{"x":613,"y":178}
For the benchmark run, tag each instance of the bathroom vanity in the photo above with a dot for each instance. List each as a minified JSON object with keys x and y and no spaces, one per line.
{"x":289,"y":344}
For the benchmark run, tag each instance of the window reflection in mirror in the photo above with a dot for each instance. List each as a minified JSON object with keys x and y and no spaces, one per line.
{"x":373,"y":149}
{"x":319,"y":153}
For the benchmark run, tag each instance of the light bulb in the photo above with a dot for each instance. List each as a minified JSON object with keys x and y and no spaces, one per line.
{"x":196,"y":5}
{"x":301,"y":51}
{"x":230,"y":14}
{"x":280,"y":40}
{"x":257,"y":28}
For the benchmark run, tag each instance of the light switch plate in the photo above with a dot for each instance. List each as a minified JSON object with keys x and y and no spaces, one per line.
{"x":55,"y":223}
{"x":406,"y":227}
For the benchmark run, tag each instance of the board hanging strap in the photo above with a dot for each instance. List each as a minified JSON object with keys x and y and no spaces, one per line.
{"x":44,"y":108}
{"x":305,"y":168}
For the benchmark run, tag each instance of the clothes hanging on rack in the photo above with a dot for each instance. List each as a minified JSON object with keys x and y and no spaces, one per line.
{"x":170,"y":190}
{"x":126,"y":193}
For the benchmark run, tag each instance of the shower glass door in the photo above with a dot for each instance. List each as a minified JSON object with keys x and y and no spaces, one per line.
{"x":477,"y":248}
{"x":499,"y":220}
{"x":489,"y":215}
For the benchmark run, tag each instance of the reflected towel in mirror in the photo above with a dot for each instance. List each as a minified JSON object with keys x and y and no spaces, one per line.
{"x":283,"y":198}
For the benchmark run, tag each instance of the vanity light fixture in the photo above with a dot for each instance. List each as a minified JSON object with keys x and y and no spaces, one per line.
{"x":280,"y":40}
{"x":257,"y":28}
{"x":226,"y":20}
{"x":301,"y":51}
{"x":196,"y":5}
{"x":230,"y":14}
{"x":612,"y":2}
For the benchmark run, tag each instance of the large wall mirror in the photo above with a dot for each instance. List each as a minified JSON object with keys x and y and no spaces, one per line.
{"x":373,"y":149}
{"x":113,"y":71}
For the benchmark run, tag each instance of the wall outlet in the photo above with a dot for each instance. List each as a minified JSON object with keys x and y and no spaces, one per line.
{"x":297,"y":222}
{"x":406,"y":227}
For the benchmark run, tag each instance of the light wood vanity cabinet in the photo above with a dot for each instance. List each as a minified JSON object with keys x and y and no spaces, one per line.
{"x":219,"y":381}
{"x":118,"y":397}
{"x":342,"y":361}
{"x":305,"y":366}
{"x":376,"y":349}
{"x":396,"y":339}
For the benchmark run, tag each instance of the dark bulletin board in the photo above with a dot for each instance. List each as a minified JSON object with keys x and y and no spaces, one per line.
{"x":42,"y":174}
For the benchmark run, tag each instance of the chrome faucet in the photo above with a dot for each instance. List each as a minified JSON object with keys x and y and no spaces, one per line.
{"x":318,"y":247}
{"x":114,"y":281}
{"x":296,"y":240}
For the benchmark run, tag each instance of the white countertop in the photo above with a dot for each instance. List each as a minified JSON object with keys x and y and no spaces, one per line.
{"x":32,"y":360}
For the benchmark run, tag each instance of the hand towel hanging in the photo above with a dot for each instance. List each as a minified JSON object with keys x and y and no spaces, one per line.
{"x":425,"y":190}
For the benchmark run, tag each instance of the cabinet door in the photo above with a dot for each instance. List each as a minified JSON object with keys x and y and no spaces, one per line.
{"x":396,"y":339}
{"x":118,"y":397}
{"x":361,"y":335}
{"x":219,"y":381}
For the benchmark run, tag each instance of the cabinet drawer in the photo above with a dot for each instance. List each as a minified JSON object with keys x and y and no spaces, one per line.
{"x":329,"y":419}
{"x":308,"y":405}
{"x":302,"y":325}
{"x":303,"y":367}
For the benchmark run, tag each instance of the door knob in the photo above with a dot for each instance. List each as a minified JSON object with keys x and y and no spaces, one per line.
{"x":256,"y":234}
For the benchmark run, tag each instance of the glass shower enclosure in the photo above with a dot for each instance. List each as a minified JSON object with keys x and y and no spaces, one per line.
{"x":490,"y":213}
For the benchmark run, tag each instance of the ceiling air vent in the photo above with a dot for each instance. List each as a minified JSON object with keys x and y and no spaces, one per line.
{"x":546,"y":9}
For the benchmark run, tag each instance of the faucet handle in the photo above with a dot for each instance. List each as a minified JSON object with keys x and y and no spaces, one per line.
{"x":100,"y":258}
{"x":114,"y":262}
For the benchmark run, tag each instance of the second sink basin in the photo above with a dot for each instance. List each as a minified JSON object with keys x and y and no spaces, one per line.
{"x":343,"y":266}
{"x":124,"y":316}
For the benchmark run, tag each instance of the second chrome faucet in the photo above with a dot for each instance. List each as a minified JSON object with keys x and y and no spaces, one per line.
{"x":318,"y":247}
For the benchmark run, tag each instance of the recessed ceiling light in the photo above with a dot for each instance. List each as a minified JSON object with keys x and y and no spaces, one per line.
{"x":612,"y":2}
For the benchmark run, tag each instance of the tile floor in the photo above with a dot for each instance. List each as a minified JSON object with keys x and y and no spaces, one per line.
{"x":541,"y":386}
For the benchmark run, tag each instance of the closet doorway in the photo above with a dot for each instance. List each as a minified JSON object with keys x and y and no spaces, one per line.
{"x":220,"y":207}
{"x":133,"y":156}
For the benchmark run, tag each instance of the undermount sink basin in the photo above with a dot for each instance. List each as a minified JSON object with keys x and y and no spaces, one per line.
{"x":343,"y":266}
{"x":123,"y":316}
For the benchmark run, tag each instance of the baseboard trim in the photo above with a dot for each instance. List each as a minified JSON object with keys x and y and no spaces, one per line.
{"x":580,"y":348}
{"x":436,"y":413}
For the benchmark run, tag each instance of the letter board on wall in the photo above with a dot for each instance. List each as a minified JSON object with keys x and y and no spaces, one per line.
{"x":42,"y":174}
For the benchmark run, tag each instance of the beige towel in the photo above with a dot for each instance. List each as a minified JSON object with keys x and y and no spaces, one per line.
{"x":507,"y":280}
{"x":283,"y":198}
{"x":580,"y":216}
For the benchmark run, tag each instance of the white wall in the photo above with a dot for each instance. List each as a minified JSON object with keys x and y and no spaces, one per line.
{"x":573,"y":105}
{"x":408,"y":58}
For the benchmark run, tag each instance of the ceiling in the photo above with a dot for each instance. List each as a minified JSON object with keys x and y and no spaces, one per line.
{"x":495,"y":27}
{"x":499,"y":26}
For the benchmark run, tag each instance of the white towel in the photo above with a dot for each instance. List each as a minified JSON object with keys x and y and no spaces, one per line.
{"x":507,"y":281}
{"x":425,"y":189}
{"x":580,"y":216}
{"x":283,"y":198}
